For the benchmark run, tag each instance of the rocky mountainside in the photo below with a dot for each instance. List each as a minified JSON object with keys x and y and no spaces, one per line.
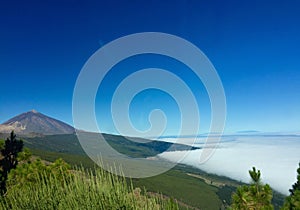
{"x":35,"y":122}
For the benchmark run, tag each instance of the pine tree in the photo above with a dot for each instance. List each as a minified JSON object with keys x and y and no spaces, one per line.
{"x":296,"y":186}
{"x":254,"y":196}
{"x":293,"y":200}
{"x":12,"y":147}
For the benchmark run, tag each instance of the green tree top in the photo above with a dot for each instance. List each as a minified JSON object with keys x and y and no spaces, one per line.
{"x":255,"y":196}
{"x":255,"y":175}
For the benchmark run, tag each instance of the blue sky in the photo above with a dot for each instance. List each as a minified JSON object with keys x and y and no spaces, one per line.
{"x":254,"y":46}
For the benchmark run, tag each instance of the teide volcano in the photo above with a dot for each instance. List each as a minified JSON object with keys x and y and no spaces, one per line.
{"x":35,"y":122}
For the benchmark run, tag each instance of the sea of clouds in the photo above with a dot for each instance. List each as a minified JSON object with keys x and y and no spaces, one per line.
{"x":277,"y":156}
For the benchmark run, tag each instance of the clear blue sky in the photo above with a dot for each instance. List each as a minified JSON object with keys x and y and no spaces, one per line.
{"x":254,"y":46}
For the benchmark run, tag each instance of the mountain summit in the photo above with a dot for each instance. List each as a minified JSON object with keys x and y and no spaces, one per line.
{"x":35,"y":122}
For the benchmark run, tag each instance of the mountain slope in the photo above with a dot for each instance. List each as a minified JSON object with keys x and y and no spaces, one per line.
{"x":35,"y":122}
{"x":70,"y":144}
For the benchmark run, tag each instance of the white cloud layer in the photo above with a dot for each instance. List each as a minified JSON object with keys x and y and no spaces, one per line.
{"x":276,"y":156}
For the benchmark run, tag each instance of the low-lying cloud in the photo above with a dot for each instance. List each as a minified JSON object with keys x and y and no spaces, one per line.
{"x":276,"y":156}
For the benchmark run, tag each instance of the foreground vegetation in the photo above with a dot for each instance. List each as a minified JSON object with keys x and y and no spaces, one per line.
{"x":176,"y":183}
{"x":38,"y":184}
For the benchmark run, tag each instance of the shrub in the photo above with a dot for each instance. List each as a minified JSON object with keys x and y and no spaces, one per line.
{"x":39,"y":186}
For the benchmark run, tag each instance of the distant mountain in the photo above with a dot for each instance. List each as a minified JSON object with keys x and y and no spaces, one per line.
{"x":33,"y":122}
{"x":248,"y":131}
